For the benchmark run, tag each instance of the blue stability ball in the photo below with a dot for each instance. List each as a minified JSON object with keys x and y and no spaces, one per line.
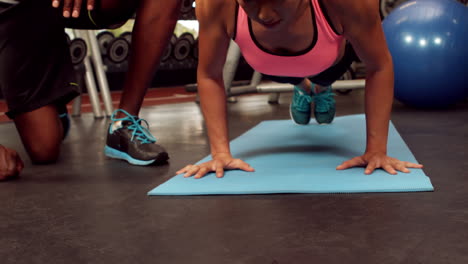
{"x":428,"y":40}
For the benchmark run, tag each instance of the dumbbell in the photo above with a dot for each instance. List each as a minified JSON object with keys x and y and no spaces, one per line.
{"x":118,"y":50}
{"x":169,"y":48}
{"x":386,"y":6}
{"x":173,"y":40}
{"x":78,"y":50}
{"x":188,"y":36}
{"x":186,"y":7}
{"x":190,"y":62}
{"x":127,"y":35}
{"x":104,"y":38}
{"x":188,"y":10}
{"x":67,"y":37}
{"x":167,"y":58}
{"x":195,"y":50}
{"x":183,"y":46}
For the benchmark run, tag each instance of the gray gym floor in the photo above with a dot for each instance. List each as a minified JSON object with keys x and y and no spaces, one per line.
{"x":89,"y":209}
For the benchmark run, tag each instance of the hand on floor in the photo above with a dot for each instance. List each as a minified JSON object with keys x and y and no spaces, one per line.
{"x":372,"y":161}
{"x":10,"y":163}
{"x":219,"y":163}
{"x":75,"y":5}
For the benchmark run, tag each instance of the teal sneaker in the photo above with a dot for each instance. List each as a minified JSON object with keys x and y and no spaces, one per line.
{"x":64,"y":119}
{"x":324,"y":105}
{"x":300,"y":109}
{"x":132,"y":141}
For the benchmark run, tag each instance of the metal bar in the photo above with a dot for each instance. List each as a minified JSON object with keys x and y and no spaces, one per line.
{"x":349,"y":84}
{"x":256,"y":78}
{"x":100,"y":72}
{"x":230,"y":66}
{"x":92,"y":89}
{"x":274,"y":98}
{"x":90,"y":82}
{"x":281,"y":87}
{"x":76,"y":107}
{"x":244,"y":89}
{"x":80,"y":75}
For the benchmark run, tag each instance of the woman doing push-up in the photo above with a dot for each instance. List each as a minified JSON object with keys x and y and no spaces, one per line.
{"x":308,"y":43}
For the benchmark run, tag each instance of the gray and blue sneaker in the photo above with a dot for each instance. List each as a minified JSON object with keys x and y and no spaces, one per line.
{"x":324,"y":105}
{"x":64,"y":119}
{"x":300,"y":109}
{"x":129,"y":140}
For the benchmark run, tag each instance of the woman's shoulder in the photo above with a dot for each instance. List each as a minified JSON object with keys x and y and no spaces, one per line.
{"x":217,"y":12}
{"x":214,"y":9}
{"x":356,"y":7}
{"x":347,"y":13}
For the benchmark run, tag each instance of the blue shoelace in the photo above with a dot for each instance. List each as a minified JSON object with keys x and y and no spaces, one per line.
{"x":324,"y":100}
{"x":139,"y":132}
{"x":302,"y":100}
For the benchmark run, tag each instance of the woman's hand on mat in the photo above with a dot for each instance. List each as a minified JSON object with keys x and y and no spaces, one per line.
{"x":218,"y":164}
{"x":10,"y":163}
{"x":75,"y":5}
{"x":372,"y":161}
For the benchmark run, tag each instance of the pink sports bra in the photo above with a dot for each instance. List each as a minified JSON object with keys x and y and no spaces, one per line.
{"x":320,"y":55}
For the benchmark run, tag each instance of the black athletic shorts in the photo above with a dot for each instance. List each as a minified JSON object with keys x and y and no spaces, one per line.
{"x":35,"y":63}
{"x":326,"y":77}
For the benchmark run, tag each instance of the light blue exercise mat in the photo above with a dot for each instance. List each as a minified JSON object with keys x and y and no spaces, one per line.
{"x":289,"y":158}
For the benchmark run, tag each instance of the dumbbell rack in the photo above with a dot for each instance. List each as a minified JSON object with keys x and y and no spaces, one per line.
{"x":181,"y":52}
{"x":91,"y":66}
{"x":115,"y":51}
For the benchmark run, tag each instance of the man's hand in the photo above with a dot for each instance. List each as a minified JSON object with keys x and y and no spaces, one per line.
{"x":218,"y":164}
{"x":372,"y":161}
{"x":72,"y":7}
{"x":10,"y":163}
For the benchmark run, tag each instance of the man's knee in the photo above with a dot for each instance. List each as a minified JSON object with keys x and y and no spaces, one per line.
{"x":42,"y":154}
{"x":41,"y":133}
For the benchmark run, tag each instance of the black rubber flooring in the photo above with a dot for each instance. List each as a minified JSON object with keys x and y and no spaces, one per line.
{"x":89,"y":209}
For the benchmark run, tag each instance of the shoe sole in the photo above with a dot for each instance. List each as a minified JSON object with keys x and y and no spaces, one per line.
{"x":326,"y":123}
{"x":294,"y":121}
{"x":117,"y":154}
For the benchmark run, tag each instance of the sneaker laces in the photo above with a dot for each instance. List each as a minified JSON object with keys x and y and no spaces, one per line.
{"x":139,"y":132}
{"x":324,"y":100}
{"x":301,"y":101}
